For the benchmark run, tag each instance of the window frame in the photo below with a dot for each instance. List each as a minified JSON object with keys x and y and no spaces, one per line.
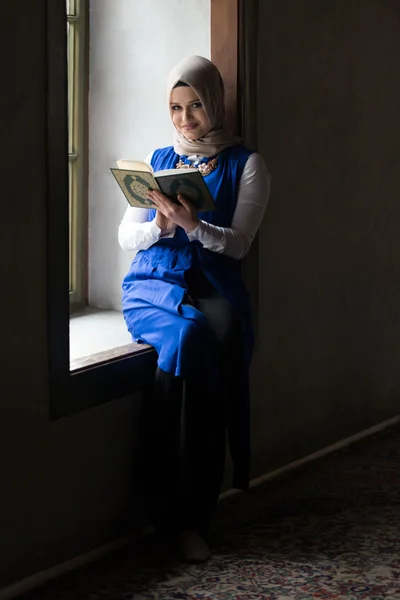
{"x":77,"y":74}
{"x":234,"y":43}
{"x":117,"y":375}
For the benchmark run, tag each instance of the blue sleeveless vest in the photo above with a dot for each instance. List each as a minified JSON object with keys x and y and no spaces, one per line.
{"x":155,"y":287}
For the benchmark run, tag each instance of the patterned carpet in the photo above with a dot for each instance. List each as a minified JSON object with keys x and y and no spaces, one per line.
{"x":330,"y":530}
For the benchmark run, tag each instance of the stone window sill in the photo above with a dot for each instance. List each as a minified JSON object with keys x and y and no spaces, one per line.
{"x":98,"y":337}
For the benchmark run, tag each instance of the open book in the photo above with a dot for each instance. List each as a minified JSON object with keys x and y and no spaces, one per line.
{"x":135,"y":178}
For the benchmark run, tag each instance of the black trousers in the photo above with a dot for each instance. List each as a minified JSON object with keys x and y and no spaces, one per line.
{"x":183,"y":439}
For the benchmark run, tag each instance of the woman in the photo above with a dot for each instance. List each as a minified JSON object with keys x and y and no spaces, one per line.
{"x":184,"y":295}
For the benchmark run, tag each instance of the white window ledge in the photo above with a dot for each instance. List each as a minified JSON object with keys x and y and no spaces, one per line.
{"x":92,"y":331}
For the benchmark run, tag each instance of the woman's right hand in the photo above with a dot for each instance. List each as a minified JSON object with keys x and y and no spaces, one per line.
{"x":165,"y":224}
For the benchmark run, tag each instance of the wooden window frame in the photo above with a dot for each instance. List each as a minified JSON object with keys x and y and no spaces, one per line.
{"x":77,"y":74}
{"x":234,"y":42}
{"x":116,"y":375}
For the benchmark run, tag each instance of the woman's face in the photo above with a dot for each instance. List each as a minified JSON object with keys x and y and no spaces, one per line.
{"x":188,"y":114}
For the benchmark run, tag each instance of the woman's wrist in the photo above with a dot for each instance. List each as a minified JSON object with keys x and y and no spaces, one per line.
{"x":193,"y":226}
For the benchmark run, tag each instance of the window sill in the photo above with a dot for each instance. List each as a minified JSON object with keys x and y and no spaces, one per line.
{"x":98,"y":359}
{"x":93,"y":333}
{"x":113,"y":369}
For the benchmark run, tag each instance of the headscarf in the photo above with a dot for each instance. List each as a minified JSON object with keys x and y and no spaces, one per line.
{"x":205,"y":79}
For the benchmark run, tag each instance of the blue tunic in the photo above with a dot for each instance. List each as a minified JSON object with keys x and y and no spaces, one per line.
{"x":155,"y":287}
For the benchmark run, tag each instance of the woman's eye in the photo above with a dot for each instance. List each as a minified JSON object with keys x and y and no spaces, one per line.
{"x":175,"y":107}
{"x":197,"y":105}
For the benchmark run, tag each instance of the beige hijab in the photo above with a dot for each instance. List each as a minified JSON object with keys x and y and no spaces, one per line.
{"x":205,"y":79}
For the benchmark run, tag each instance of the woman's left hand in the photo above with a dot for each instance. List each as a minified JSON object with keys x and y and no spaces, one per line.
{"x":182,"y":214}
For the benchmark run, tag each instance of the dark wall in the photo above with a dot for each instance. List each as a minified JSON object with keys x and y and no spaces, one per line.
{"x":329,"y":128}
{"x":66,"y":485}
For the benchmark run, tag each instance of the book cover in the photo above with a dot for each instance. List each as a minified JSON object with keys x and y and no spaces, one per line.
{"x":135,"y":185}
{"x":190,"y":183}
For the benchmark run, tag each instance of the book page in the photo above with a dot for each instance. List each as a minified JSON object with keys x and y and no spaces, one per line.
{"x":134,"y":165}
{"x":173,"y":172}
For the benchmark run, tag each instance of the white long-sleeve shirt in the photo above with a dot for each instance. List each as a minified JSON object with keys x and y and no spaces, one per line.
{"x":136,"y":232}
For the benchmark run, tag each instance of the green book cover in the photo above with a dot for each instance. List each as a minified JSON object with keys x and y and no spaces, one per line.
{"x":135,"y":183}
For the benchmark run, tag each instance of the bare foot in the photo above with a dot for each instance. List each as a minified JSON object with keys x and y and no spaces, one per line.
{"x":193,"y":548}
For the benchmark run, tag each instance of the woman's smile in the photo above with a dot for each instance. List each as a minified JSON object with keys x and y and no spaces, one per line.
{"x":190,"y":126}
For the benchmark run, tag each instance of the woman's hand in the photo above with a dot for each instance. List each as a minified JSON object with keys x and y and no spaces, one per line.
{"x":182,"y":214}
{"x":166,"y":225}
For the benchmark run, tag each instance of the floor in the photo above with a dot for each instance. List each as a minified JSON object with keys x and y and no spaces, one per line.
{"x":329,"y":530}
